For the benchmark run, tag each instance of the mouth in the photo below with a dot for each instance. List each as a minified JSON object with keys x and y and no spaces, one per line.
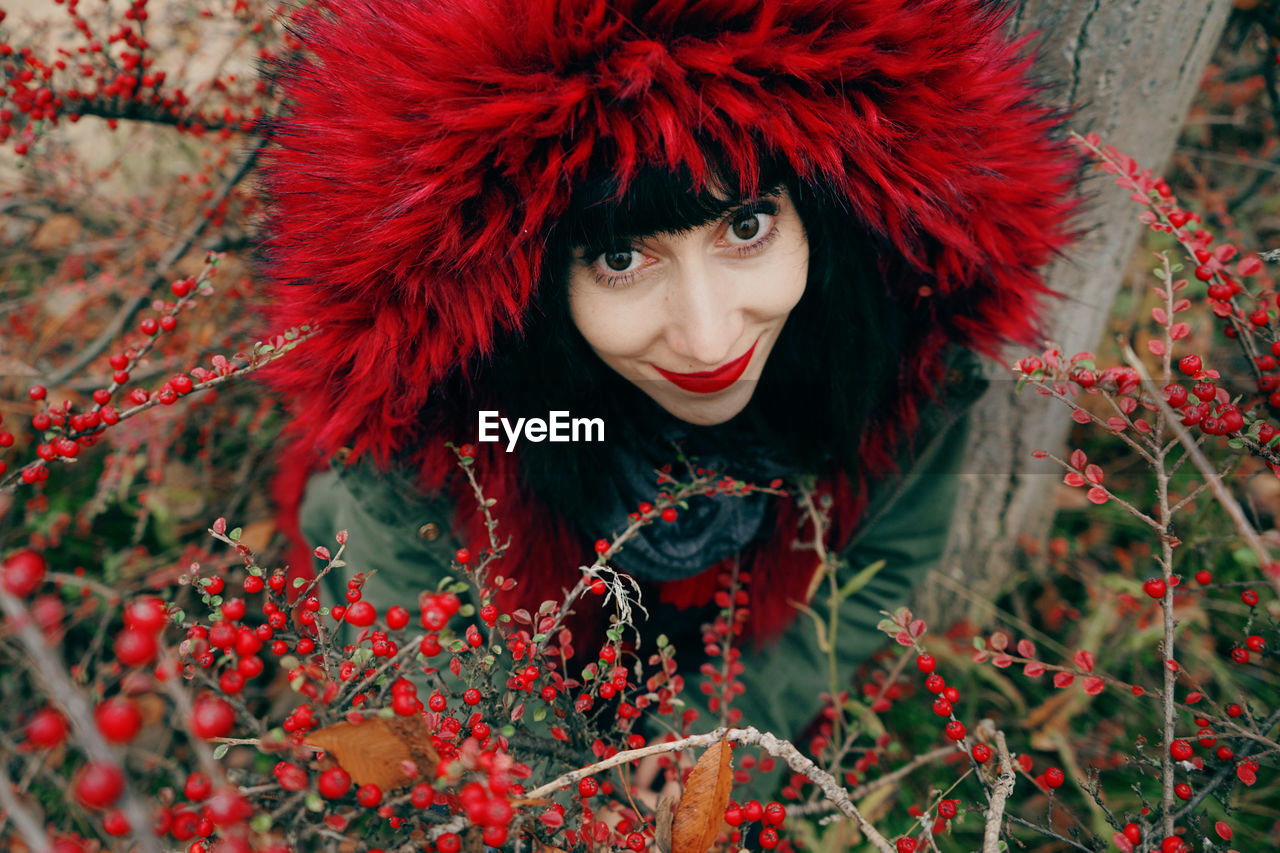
{"x":710,"y":381}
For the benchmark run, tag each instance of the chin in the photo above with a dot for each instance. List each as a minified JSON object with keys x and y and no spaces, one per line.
{"x":707,"y":412}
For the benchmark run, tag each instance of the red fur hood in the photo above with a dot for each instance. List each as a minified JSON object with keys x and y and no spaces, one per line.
{"x":426,"y":147}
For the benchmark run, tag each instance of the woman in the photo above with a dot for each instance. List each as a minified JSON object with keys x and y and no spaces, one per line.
{"x":767,"y":233}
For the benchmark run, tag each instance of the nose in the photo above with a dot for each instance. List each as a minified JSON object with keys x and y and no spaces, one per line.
{"x":705,"y":320}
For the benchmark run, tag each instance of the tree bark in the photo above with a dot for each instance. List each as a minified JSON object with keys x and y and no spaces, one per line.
{"x":1130,"y":68}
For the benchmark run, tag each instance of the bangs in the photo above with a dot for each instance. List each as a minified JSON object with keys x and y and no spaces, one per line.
{"x":656,"y":201}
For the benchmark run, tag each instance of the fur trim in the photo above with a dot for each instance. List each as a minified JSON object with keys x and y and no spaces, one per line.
{"x":427,"y":146}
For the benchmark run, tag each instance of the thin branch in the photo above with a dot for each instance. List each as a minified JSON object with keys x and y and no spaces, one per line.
{"x":999,"y":795}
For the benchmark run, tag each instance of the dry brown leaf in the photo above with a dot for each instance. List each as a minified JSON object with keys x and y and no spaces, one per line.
{"x":57,"y":232}
{"x":706,"y":794}
{"x":375,"y":751}
{"x":256,"y":535}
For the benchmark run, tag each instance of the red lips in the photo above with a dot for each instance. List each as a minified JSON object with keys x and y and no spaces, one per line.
{"x":710,"y":381}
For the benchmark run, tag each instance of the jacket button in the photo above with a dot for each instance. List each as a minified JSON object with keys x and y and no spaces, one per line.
{"x":429,"y":532}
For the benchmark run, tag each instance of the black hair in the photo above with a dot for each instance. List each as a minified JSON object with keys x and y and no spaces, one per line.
{"x":836,"y":361}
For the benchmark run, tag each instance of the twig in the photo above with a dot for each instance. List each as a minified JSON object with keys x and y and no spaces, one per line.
{"x":771,"y":744}
{"x":28,"y":827}
{"x":876,"y":784}
{"x":999,"y":794}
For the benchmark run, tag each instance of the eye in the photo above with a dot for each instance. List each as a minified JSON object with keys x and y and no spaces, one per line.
{"x":619,"y":260}
{"x":749,"y":225}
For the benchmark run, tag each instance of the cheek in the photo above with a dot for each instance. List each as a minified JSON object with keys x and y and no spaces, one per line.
{"x":611,"y":329}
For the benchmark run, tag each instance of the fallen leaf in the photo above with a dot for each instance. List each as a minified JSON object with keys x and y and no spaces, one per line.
{"x":374,"y":751}
{"x":706,"y":795}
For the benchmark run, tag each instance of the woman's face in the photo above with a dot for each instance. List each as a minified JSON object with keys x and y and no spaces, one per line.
{"x":690,"y":318}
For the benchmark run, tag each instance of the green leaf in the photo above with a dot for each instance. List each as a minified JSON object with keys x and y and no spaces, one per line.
{"x":220,"y":751}
{"x":298,"y":582}
{"x":507,"y":731}
{"x":858,"y":581}
{"x":313,"y":802}
{"x":539,"y":714}
{"x":496,"y":649}
{"x":588,"y":674}
{"x":256,"y":571}
{"x":467,"y":610}
{"x":662,"y":641}
{"x":260,"y":822}
{"x":234,"y":535}
{"x":1245,"y":557}
{"x":1235,"y":443}
{"x":538,"y":638}
{"x":487,"y":661}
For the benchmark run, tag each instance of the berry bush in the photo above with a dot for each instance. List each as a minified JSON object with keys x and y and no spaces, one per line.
{"x":170,"y":686}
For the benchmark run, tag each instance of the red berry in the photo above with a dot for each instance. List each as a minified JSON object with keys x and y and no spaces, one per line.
{"x":774,"y":814}
{"x":1182,"y":791}
{"x":334,"y":783}
{"x":149,"y":326}
{"x":362,"y":614}
{"x":733,"y":815}
{"x":118,"y":720}
{"x":22,"y":573}
{"x":1155,"y":587}
{"x":37,"y":392}
{"x":212,"y":717}
{"x":369,"y":796}
{"x":1180,"y":750}
{"x":46,"y":729}
{"x":768,"y":838}
{"x":588,"y":787}
{"x":669,"y":514}
{"x":753,"y":811}
{"x":1234,"y":710}
{"x":1053,"y":777}
{"x":1133,"y":832}
{"x":197,"y":786}
{"x":1240,"y":655}
{"x":955,"y":730}
{"x":134,"y":647}
{"x":926,"y":663}
{"x":463,"y":556}
{"x":98,"y":785}
{"x":981,"y":753}
{"x":397,"y":617}
{"x":942,"y":707}
{"x":1189,"y":364}
{"x":947,"y":809}
{"x":1173,"y":844}
{"x":1249,"y":597}
{"x":471,"y":696}
{"x":449,"y":843}
{"x":906,"y":845}
{"x":115,"y":823}
{"x":1204,"y":577}
{"x":602,"y":545}
{"x":1255,"y":643}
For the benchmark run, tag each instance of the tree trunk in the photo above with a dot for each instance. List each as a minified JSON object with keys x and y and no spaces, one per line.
{"x":1131,"y":68}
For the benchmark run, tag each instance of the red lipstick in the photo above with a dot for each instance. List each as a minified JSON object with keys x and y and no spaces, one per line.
{"x":710,"y":381}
